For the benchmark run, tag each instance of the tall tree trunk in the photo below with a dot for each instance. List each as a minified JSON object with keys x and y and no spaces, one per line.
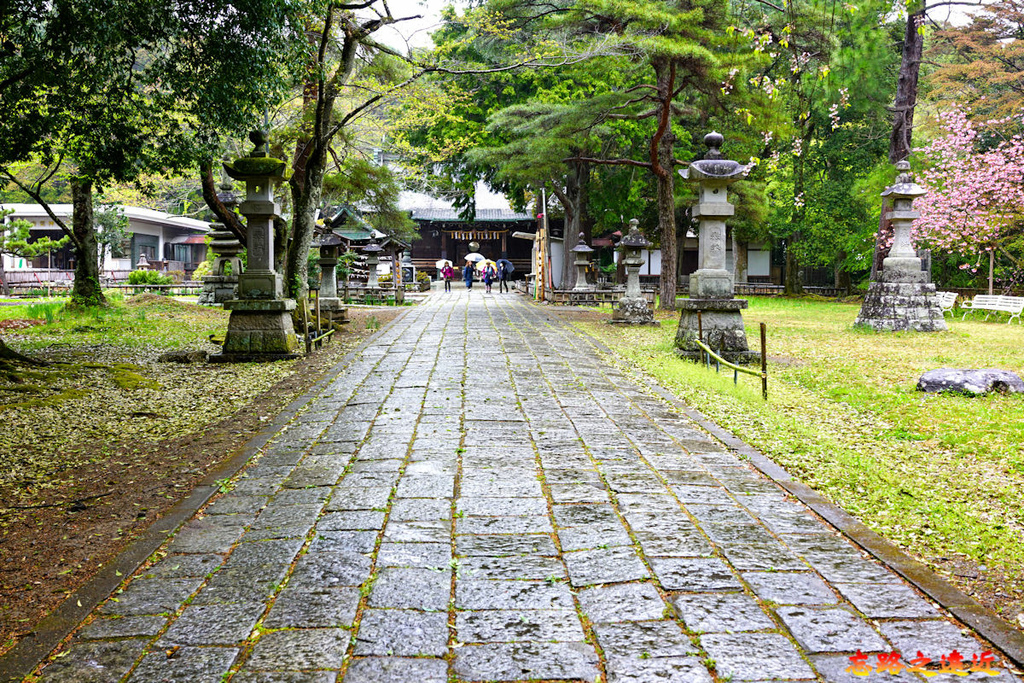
{"x":842,"y":273}
{"x":86,"y":291}
{"x":901,"y":138}
{"x":663,"y":155}
{"x":740,"y":259}
{"x":4,"y":286}
{"x":573,"y":202}
{"x":906,"y":90}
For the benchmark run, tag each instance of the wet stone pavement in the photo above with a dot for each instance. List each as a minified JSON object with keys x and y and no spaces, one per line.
{"x":479,"y":496}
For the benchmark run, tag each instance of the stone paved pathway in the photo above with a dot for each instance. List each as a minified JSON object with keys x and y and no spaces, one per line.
{"x":479,"y":497}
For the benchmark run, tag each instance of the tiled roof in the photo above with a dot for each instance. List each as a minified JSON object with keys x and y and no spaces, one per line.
{"x":482,"y":215}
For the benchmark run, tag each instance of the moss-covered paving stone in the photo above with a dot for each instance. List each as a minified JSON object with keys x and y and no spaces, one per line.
{"x":397,"y":670}
{"x":186,"y":665}
{"x":791,"y":588}
{"x":518,"y":625}
{"x":402,"y":633}
{"x":320,"y":648}
{"x":474,"y":594}
{"x":315,"y":608}
{"x":622,"y":602}
{"x":829,"y":629}
{"x":605,"y":565}
{"x":97,"y":662}
{"x":150,"y":596}
{"x":424,"y":589}
{"x":721,"y":612}
{"x":755,"y":656}
{"x":228,"y":624}
{"x":526,"y":661}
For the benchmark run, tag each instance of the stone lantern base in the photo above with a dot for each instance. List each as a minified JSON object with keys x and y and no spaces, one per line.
{"x":258,"y":330}
{"x":894,"y":304}
{"x":333,"y":309}
{"x":722,"y":325}
{"x":218,"y":289}
{"x":633,"y":311}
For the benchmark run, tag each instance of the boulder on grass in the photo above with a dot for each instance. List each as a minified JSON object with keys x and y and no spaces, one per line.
{"x":971,"y":381}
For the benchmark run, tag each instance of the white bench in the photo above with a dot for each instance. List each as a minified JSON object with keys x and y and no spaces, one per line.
{"x":946,"y":301}
{"x":995,"y":303}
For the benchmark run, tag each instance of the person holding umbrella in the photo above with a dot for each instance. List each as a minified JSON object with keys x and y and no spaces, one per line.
{"x":505,"y":269}
{"x":467,"y":274}
{"x":488,"y":274}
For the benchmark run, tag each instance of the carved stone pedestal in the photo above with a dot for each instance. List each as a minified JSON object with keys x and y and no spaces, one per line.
{"x":900,"y":306}
{"x":260,"y":329}
{"x":722,"y":325}
{"x":632,"y":311}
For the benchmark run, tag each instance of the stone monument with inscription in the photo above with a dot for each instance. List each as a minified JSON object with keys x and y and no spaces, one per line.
{"x":711,"y":310}
{"x":903,"y":297}
{"x":260,"y":326}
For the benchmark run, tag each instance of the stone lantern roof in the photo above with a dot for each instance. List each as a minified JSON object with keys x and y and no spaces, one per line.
{"x":633,"y":239}
{"x":581,"y":246}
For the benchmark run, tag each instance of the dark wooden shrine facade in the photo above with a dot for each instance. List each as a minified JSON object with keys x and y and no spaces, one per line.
{"x":443,"y":235}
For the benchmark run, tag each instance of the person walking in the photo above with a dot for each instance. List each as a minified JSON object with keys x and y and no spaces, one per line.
{"x":447,"y":272}
{"x":502,"y":277}
{"x":489,"y":275}
{"x":467,"y":275}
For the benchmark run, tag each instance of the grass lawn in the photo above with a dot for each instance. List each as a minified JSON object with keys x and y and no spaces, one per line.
{"x":940,"y":475}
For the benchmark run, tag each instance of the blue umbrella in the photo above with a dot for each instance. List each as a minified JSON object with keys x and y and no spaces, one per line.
{"x":508,"y":265}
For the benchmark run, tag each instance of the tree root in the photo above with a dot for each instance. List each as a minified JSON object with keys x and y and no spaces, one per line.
{"x":9,"y":354}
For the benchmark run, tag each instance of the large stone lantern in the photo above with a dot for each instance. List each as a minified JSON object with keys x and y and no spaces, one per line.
{"x":633,"y":308}
{"x":260,"y":326}
{"x":902,"y":298}
{"x":372,"y":251}
{"x":582,"y":251}
{"x":711,"y":308}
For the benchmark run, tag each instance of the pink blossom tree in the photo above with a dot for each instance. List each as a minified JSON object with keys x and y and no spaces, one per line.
{"x":975,"y":182}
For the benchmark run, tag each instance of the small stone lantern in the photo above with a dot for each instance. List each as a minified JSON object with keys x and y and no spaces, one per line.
{"x":711,"y":308}
{"x":372,"y":251}
{"x":902,"y":298}
{"x":582,"y":250}
{"x":260,"y":326}
{"x":633,"y":308}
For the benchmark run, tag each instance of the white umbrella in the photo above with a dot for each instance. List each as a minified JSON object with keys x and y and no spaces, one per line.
{"x":475,"y":257}
{"x":442,"y":263}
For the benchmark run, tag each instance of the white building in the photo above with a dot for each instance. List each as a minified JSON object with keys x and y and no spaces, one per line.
{"x":169,"y":242}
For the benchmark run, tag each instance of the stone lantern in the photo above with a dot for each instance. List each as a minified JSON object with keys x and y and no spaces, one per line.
{"x":582,"y":250}
{"x":221,"y":284}
{"x":633,"y":308}
{"x":260,"y":326}
{"x":902,"y":298}
{"x":407,"y":269}
{"x":711,"y":306}
{"x":331,"y":306}
{"x":372,"y":251}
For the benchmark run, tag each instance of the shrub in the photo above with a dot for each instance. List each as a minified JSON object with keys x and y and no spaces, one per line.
{"x":148,"y":277}
{"x":422,"y":277}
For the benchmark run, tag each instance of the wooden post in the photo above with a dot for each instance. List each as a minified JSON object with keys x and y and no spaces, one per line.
{"x":305,"y":328}
{"x":764,"y":362}
{"x":316,"y":294}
